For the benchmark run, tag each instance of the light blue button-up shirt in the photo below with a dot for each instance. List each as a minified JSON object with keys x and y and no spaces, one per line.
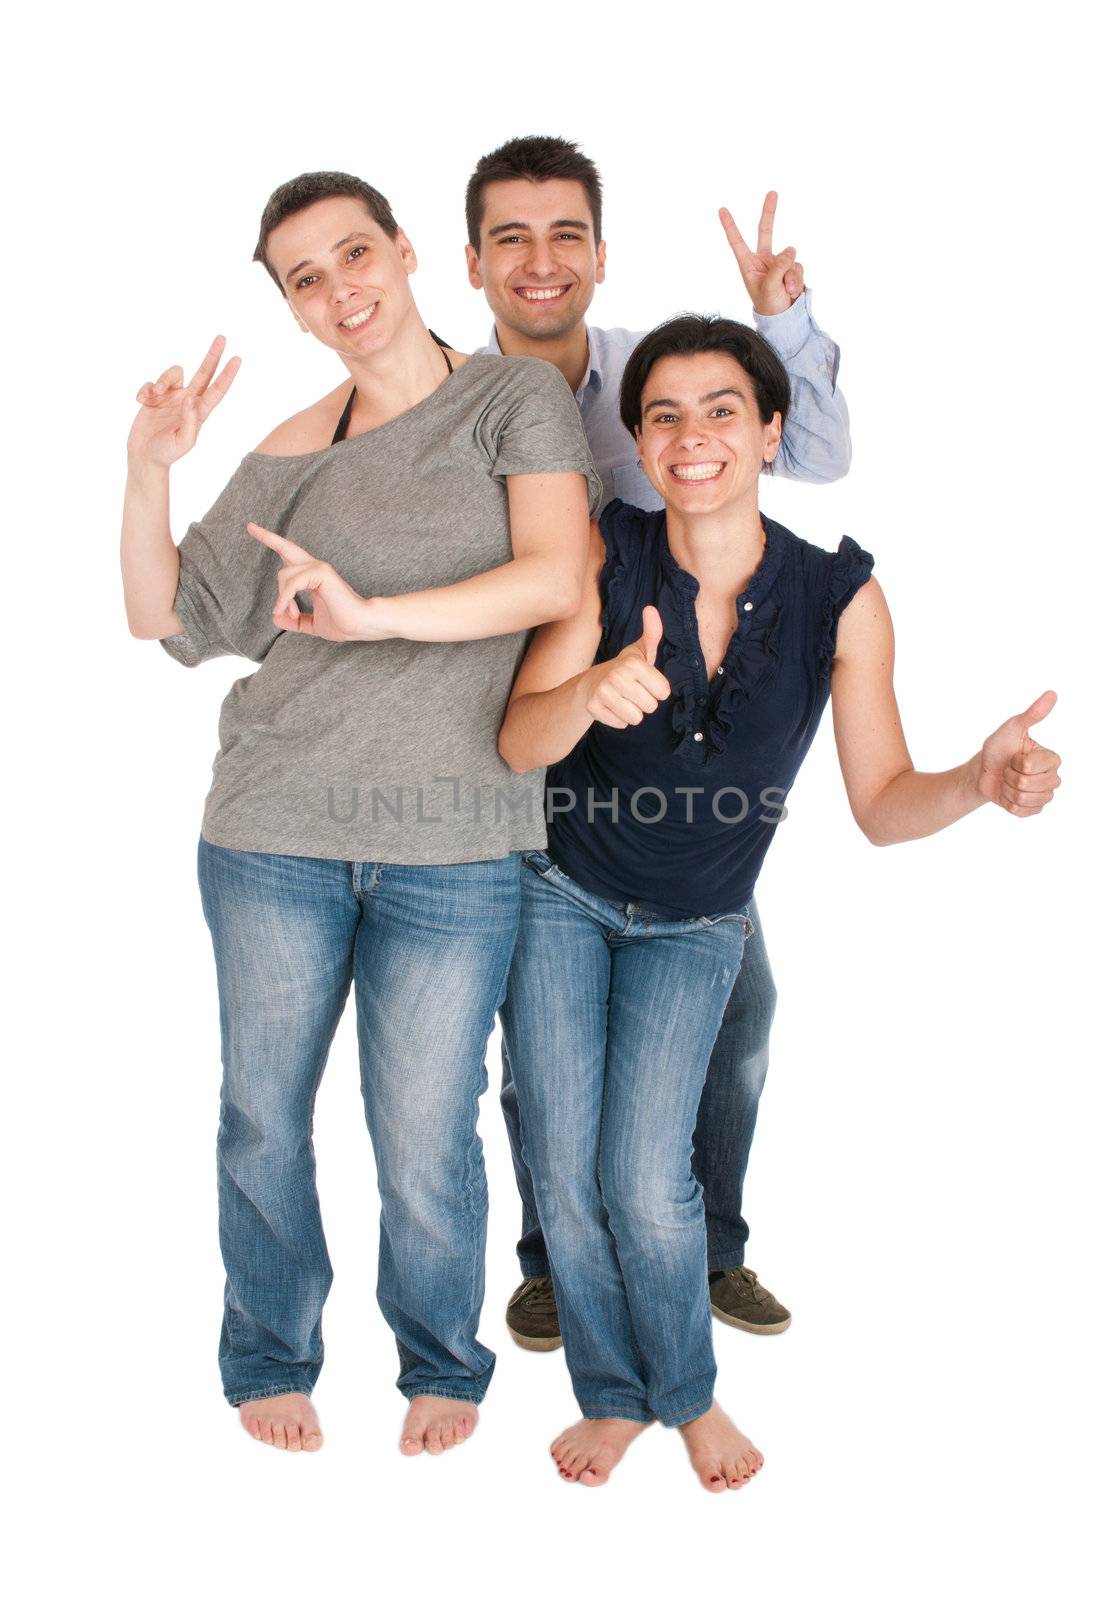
{"x":815,"y":446}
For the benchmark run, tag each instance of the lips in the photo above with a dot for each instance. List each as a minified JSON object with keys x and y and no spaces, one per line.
{"x":697,"y":472}
{"x":535,"y":296}
{"x":358,"y":319}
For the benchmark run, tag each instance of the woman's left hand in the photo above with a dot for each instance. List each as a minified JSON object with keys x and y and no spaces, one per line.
{"x":338,"y":613}
{"x":1016,"y":772}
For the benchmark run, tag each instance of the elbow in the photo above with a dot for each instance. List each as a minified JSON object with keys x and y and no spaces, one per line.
{"x":560,"y":596}
{"x":513,"y":753}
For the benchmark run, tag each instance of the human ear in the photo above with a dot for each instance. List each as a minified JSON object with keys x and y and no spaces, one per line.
{"x":601,"y":260}
{"x":472,"y":266}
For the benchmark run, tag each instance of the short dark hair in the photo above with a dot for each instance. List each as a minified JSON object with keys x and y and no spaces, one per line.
{"x":299,"y":193}
{"x":537,"y":158}
{"x":691,"y":335}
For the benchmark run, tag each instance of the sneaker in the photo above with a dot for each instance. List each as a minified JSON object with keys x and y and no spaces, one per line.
{"x":532,"y":1315}
{"x":738,"y":1299}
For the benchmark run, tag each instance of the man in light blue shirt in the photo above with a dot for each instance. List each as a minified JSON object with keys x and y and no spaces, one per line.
{"x":536,"y":249}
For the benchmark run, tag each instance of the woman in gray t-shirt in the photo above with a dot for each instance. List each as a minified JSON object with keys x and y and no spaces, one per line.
{"x":361,"y":827}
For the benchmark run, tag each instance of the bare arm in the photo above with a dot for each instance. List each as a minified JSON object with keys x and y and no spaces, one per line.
{"x":891,"y":802}
{"x":560,"y":690}
{"x":166,"y":427}
{"x":549,"y":533}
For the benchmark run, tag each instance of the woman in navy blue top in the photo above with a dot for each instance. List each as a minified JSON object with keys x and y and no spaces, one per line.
{"x":673,"y":714}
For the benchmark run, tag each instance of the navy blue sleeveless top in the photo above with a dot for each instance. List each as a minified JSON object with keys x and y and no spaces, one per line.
{"x":677,"y":813}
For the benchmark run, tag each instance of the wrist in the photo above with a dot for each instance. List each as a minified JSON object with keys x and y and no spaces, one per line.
{"x":142,"y":472}
{"x":377,"y":618}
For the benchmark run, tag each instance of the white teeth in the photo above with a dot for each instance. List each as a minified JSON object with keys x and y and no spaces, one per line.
{"x":690,"y":474}
{"x":359,"y":317}
{"x":542,"y":294}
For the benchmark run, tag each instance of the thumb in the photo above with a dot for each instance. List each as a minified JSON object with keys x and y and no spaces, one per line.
{"x":1037,"y":712}
{"x":651,"y":633}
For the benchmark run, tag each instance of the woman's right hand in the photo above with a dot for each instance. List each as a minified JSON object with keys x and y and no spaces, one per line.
{"x":173,"y":412}
{"x":626,"y":688}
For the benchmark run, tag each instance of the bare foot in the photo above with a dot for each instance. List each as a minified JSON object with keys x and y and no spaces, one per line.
{"x":721,"y":1454}
{"x":434,"y":1424}
{"x":288,"y":1421}
{"x":589,"y":1451}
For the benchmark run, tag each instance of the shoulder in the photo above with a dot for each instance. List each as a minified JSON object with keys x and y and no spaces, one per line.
{"x":628,"y":532}
{"x":309,"y":430}
{"x":524,"y":374}
{"x":818,"y":566}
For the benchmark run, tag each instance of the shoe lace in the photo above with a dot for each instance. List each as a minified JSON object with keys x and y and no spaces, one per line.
{"x":540,"y":1295}
{"x":749,"y":1277}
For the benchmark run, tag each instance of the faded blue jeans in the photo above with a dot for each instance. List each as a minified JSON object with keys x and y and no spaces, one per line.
{"x":610,"y":1017}
{"x":427,"y":950}
{"x":724,"y":1127}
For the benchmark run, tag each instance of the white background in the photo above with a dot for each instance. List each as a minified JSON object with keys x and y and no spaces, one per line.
{"x":923,"y":1191}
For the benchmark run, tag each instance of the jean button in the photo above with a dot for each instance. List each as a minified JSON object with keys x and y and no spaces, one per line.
{"x":698,"y":737}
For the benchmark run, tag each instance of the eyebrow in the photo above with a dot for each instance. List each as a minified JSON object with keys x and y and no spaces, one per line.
{"x":335,"y":248}
{"x":525,"y":227}
{"x":716,"y":394}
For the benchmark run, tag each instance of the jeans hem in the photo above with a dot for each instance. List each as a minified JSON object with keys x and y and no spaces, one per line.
{"x":445,"y":1391}
{"x":270,"y":1392}
{"x":601,"y":1415}
{"x":726,"y":1260}
{"x":533,"y":1268}
{"x":679,"y":1418}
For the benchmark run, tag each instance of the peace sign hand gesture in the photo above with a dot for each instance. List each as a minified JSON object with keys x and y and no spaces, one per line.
{"x":338,"y":613}
{"x":173,"y":412}
{"x":774,"y":282}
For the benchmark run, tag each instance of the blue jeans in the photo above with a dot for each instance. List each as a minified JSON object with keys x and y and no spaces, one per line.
{"x":427,"y":950}
{"x":610,"y":1017}
{"x":724,"y":1127}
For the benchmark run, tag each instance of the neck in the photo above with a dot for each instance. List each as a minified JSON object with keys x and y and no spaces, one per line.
{"x":568,"y":353}
{"x":391,"y":381}
{"x":722,"y":548}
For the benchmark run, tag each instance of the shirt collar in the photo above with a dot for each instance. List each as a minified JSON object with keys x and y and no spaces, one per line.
{"x":593,"y":378}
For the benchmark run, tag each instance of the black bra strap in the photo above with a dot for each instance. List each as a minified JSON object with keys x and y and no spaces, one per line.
{"x":348,"y":409}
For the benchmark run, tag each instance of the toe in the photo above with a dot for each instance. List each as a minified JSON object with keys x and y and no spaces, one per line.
{"x":313,"y":1440}
{"x":265,"y":1430}
{"x":293,"y":1441}
{"x":593,"y":1476}
{"x":279,"y":1436}
{"x":434,"y":1439}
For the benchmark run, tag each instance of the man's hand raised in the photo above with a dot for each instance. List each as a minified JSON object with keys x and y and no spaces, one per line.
{"x":774,"y":282}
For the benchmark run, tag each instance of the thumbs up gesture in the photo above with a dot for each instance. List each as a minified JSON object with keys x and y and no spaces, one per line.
{"x":628,"y":687}
{"x":1015,"y":771}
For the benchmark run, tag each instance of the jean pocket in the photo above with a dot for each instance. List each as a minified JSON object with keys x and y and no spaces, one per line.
{"x":729,"y":916}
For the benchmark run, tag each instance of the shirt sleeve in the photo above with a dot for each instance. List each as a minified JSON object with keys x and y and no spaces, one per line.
{"x":815,"y":447}
{"x":538,"y":427}
{"x":850,"y":569}
{"x":228,"y":580}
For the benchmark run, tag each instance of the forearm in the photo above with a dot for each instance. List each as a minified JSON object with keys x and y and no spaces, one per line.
{"x":148,"y":556}
{"x":540,"y":729}
{"x":815,"y":446}
{"x":521,"y":594}
{"x":915,"y":804}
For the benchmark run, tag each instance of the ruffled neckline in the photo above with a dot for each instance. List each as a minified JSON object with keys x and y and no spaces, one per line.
{"x":750,"y":659}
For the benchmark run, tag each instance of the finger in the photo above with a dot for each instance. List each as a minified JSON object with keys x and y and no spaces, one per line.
{"x":651,"y":633}
{"x":171,"y":378}
{"x":622,"y":705}
{"x":765,"y":225}
{"x":206,"y":370}
{"x":285,"y":548}
{"x":793,"y":280}
{"x":215,"y":392}
{"x":1034,"y":785}
{"x":1021,"y":805}
{"x":1037,"y":712}
{"x":1036,"y":759}
{"x":742,"y":251}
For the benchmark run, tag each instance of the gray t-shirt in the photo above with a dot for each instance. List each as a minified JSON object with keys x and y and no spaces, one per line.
{"x":386,"y":750}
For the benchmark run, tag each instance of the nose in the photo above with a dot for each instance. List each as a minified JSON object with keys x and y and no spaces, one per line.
{"x":541,"y":262}
{"x":690,"y":435}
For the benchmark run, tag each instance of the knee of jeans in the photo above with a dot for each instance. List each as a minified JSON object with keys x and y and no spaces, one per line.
{"x":647,"y":1203}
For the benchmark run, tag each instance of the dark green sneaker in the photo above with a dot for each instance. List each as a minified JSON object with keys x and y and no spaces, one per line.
{"x":738,"y":1299}
{"x":532,"y":1315}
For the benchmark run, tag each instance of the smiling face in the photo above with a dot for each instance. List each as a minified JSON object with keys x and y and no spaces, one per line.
{"x":539,"y":262}
{"x":346,"y":281}
{"x":701,"y":439}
